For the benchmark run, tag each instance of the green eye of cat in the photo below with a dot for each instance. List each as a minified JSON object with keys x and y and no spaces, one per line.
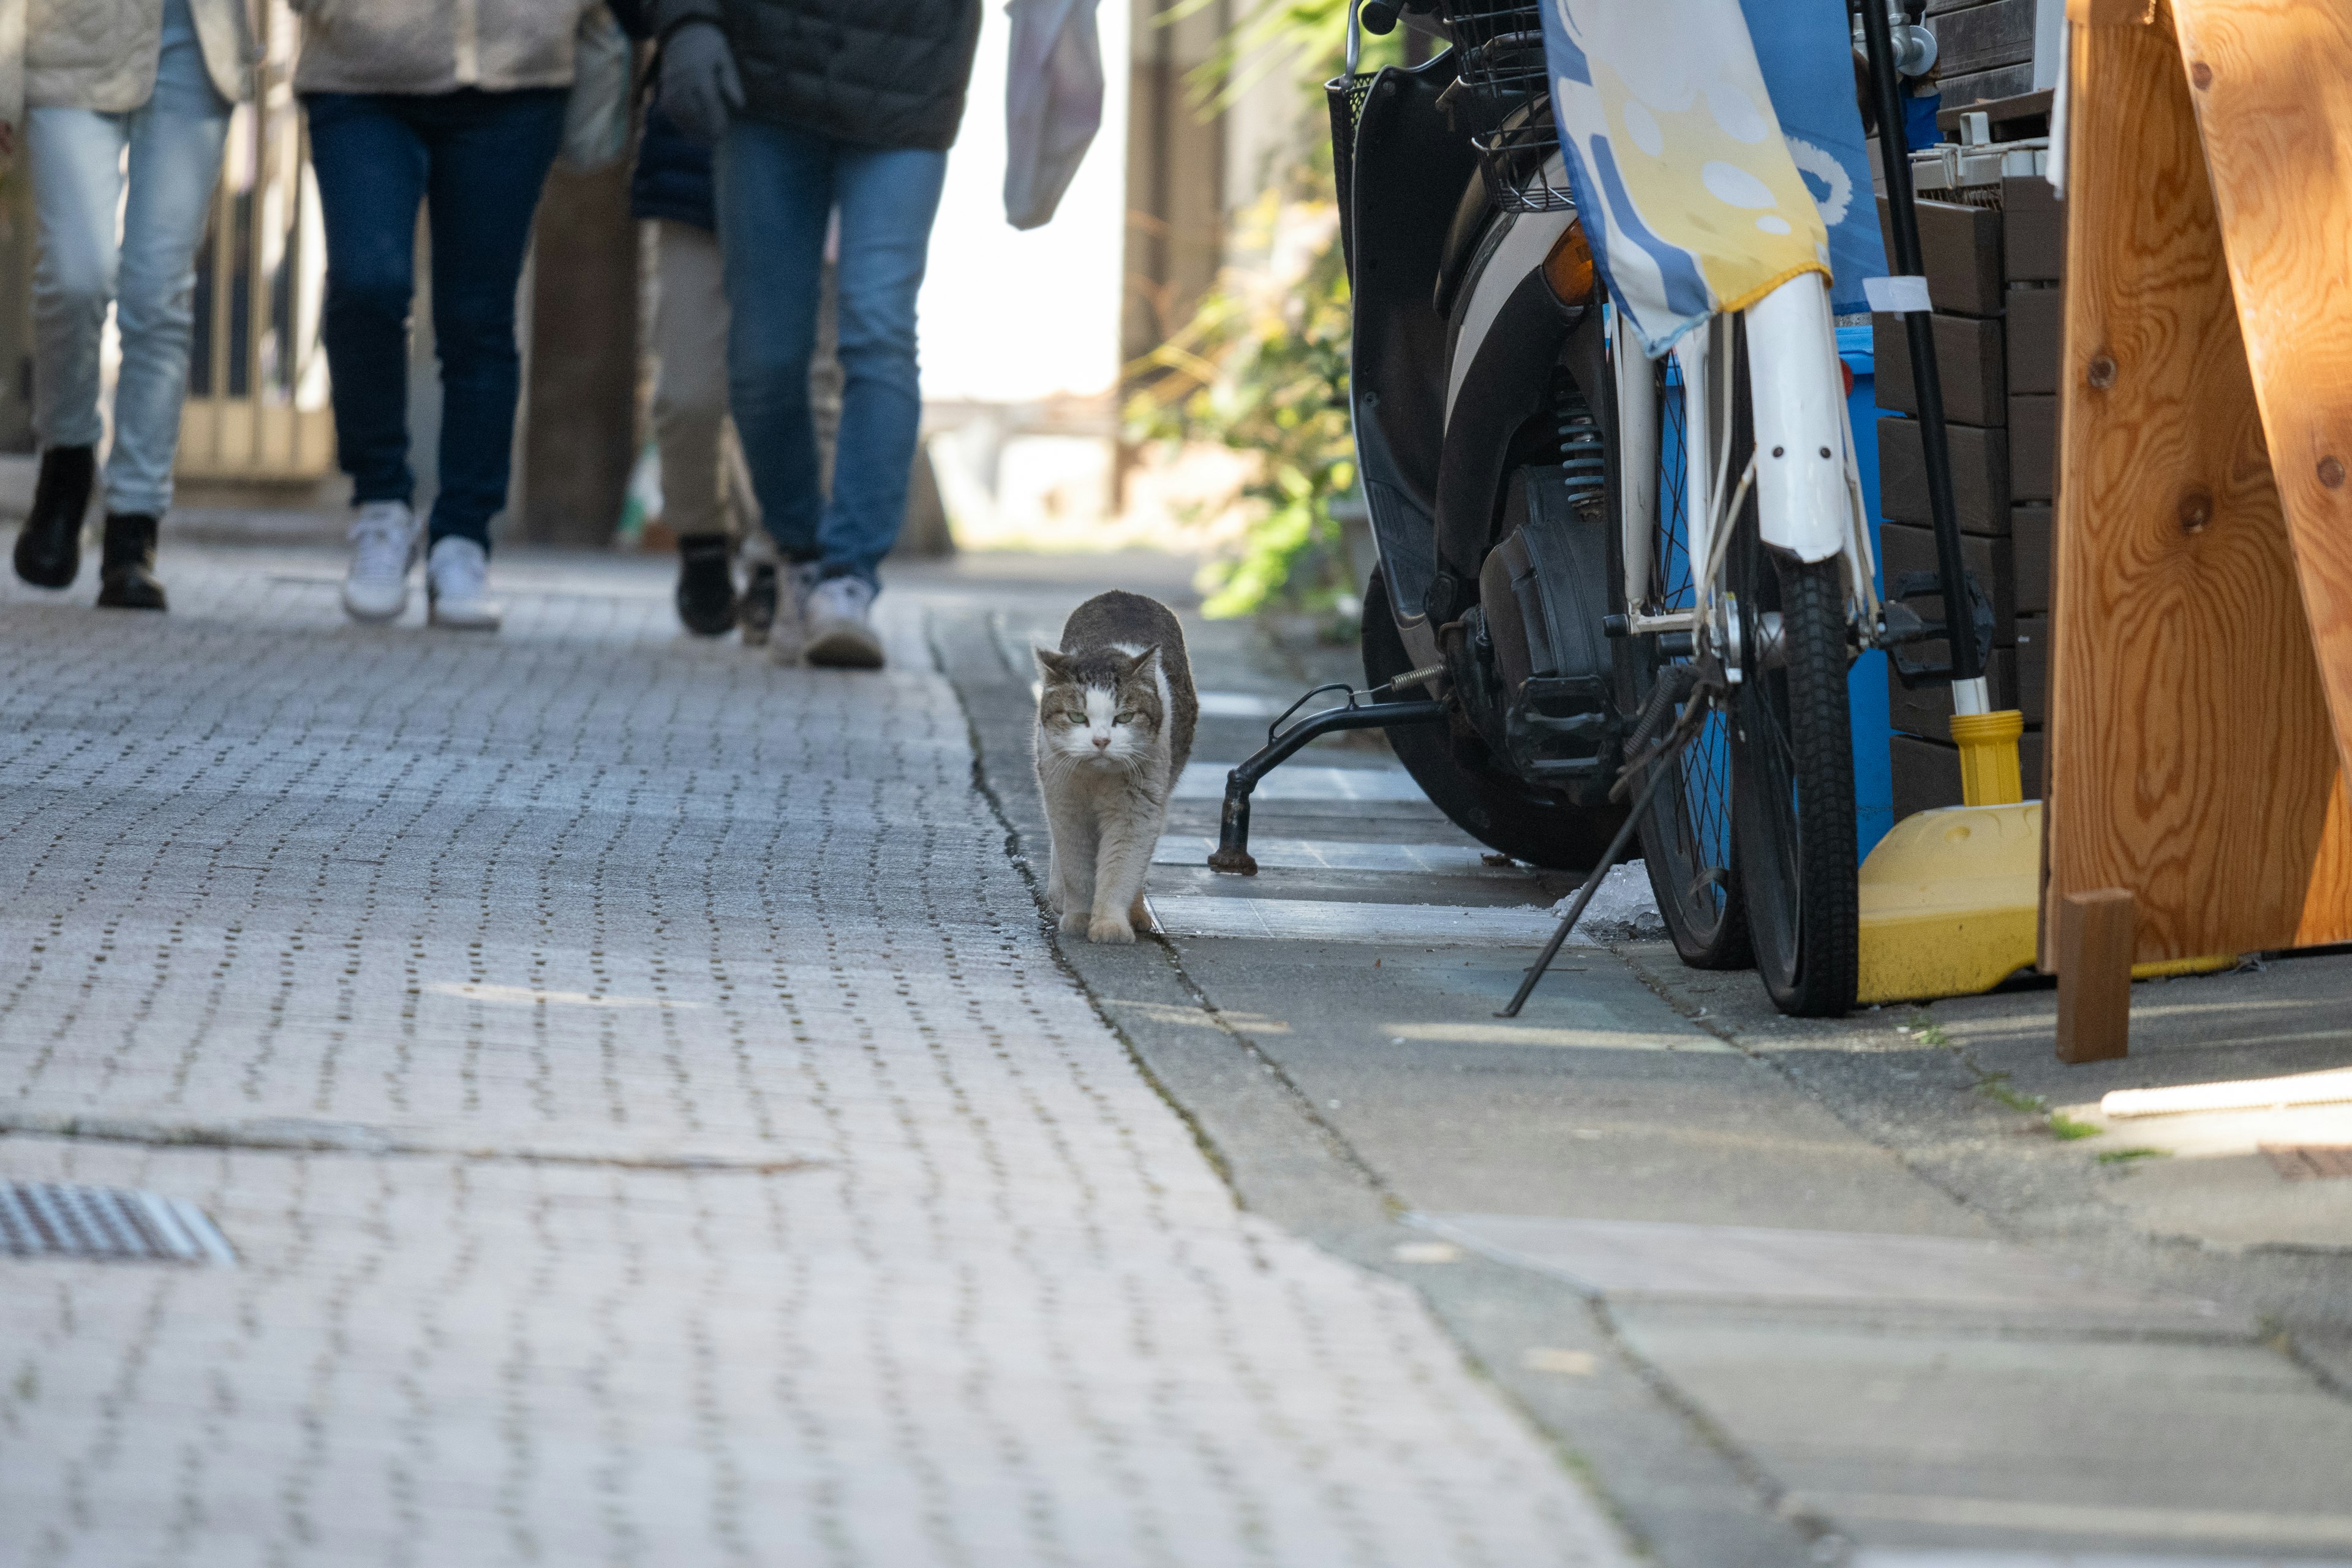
{"x":1124,"y":719}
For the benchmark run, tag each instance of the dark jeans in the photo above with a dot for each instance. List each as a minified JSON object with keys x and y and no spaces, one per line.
{"x":478,"y":159}
{"x":777,"y":184}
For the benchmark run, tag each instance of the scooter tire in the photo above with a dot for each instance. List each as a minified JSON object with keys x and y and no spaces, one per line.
{"x":1535,"y":826}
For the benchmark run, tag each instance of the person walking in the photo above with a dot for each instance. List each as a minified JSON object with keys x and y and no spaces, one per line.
{"x":671,"y":189}
{"x":118,"y":93}
{"x":820,"y":107}
{"x":461,"y":108}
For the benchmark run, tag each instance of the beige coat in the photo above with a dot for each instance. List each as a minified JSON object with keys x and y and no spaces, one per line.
{"x":435,"y":45}
{"x":101,"y":54}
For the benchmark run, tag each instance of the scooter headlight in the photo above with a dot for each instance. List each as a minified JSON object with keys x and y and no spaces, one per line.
{"x":1569,"y":268}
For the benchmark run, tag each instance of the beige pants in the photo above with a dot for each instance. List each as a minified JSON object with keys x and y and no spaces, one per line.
{"x":706,"y":488}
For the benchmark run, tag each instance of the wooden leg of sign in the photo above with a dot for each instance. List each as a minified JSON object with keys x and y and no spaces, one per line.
{"x":2095,"y":938}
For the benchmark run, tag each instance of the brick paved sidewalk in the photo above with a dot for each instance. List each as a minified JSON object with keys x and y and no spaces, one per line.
{"x":653,"y":1126}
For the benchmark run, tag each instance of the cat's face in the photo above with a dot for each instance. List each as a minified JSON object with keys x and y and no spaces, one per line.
{"x":1100,"y":709}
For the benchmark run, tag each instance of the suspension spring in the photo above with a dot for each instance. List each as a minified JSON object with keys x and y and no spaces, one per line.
{"x":1583,"y":457}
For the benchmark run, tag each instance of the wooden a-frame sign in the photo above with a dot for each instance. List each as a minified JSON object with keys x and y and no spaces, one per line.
{"x":2201,"y":699}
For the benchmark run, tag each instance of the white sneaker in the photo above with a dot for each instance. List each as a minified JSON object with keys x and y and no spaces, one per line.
{"x":383,"y":547}
{"x":789,"y":637}
{"x":456,"y":587}
{"x":838,"y":625}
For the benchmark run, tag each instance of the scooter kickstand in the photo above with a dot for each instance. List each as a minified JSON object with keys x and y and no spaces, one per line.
{"x":1232,"y":854}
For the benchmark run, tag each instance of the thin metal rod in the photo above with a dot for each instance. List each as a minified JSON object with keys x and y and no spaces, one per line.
{"x":1919,"y":327}
{"x":1614,"y":853}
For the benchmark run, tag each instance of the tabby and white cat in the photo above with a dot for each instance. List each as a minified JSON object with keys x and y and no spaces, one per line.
{"x":1114,"y":728}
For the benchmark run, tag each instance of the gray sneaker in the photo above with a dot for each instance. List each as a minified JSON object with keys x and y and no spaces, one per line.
{"x":790,"y":633}
{"x":838,"y":626}
{"x":456,"y":587}
{"x":384,"y":548}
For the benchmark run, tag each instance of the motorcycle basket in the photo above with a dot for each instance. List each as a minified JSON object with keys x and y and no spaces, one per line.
{"x":1504,"y":87}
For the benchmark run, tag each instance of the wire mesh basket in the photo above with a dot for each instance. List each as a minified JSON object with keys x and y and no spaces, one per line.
{"x":1505,"y":90}
{"x":1346,"y":95}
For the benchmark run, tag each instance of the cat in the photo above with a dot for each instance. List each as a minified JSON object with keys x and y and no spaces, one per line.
{"x":1114,"y":731}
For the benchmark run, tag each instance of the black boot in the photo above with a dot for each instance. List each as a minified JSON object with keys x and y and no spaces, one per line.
{"x":758,"y":612}
{"x":126,"y":572}
{"x":49,"y":547}
{"x":705,"y":584}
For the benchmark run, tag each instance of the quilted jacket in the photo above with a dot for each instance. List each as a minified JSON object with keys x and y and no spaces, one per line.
{"x":101,"y":54}
{"x":435,"y":45}
{"x":888,"y":73}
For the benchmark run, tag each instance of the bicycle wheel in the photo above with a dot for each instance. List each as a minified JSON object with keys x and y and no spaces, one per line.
{"x":1793,"y":775}
{"x":1686,"y":833}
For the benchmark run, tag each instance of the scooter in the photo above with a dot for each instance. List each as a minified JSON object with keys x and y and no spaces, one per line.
{"x":1480,"y":388}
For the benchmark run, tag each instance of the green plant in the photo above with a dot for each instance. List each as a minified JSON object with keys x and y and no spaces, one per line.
{"x":2125,"y":1156}
{"x":1997,"y":1086}
{"x":2067,"y":1128}
{"x":1262,"y":366}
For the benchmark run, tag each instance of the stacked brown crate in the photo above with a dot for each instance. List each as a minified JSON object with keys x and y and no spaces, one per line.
{"x":1992,"y":279}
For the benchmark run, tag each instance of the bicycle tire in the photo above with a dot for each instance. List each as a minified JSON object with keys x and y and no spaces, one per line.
{"x":1687,"y":833}
{"x":1793,"y":780}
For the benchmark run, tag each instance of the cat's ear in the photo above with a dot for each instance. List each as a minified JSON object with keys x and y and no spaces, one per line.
{"x":1054,"y":667}
{"x":1139,"y":666}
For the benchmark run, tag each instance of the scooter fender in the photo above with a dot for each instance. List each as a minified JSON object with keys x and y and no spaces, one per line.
{"x":1801,"y":431}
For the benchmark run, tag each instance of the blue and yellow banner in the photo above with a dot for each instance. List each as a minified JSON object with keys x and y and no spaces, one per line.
{"x":1690,"y":187}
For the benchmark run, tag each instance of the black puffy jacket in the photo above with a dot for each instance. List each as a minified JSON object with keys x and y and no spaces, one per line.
{"x":888,"y":73}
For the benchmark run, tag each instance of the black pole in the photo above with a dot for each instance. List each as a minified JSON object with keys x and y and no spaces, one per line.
{"x":1894,"y":151}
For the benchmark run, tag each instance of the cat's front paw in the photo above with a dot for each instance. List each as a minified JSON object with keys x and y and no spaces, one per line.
{"x":1075,"y":923}
{"x":1111,"y":929}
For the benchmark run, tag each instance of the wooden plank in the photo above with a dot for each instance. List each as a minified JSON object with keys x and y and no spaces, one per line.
{"x":2037,"y":326}
{"x":1995,"y":86}
{"x":1968,"y":367}
{"x":1959,"y":248}
{"x":2010,"y":118}
{"x":1978,"y":39}
{"x":1979,"y":474}
{"x":2094,"y":966}
{"x":2033,"y":669}
{"x":2032,"y":448}
{"x":2272,"y":83}
{"x":2033,"y":230}
{"x":2192,"y":759}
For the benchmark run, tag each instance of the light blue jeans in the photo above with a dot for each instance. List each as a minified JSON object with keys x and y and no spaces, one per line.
{"x":149,"y":276}
{"x":777,"y":185}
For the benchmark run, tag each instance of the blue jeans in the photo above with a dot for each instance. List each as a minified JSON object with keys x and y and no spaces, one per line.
{"x":478,"y":159}
{"x":173,"y":144}
{"x":777,"y":187}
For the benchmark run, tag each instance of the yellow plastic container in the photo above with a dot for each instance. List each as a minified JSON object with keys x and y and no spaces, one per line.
{"x":1951,"y":902}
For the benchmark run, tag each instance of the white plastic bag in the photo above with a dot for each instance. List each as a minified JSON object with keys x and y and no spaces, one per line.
{"x":596,"y":114}
{"x":1053,"y":103}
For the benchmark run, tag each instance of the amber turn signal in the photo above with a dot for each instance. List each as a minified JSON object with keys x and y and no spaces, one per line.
{"x":1569,"y":268}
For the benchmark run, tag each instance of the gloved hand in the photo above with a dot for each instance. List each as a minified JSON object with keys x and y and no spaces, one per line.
{"x":700,"y":89}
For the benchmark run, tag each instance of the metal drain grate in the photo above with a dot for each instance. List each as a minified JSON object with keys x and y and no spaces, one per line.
{"x":51,"y":1219}
{"x":2304,"y":1161}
